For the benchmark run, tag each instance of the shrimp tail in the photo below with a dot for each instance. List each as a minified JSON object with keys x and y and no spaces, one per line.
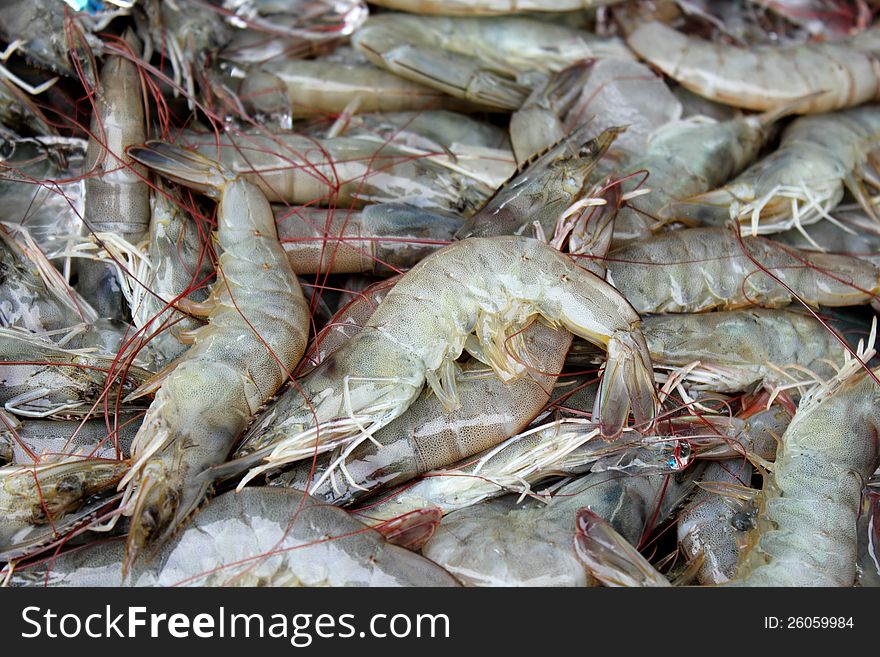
{"x":411,"y":530}
{"x":182,"y":165}
{"x":609,"y":557}
{"x":627,"y":386}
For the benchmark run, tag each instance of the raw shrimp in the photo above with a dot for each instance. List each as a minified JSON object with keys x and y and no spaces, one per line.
{"x":428,"y":130}
{"x":310,"y":19}
{"x":488,"y":286}
{"x":39,"y":29}
{"x":537,"y":124}
{"x":384,"y":238}
{"x":755,"y":433}
{"x":738,"y":349}
{"x":306,"y":88}
{"x":541,"y":192}
{"x":259,"y":537}
{"x":624,"y":92}
{"x":428,"y":436}
{"x":39,"y":503}
{"x":562,"y":447}
{"x":536,"y":545}
{"x":117,"y":199}
{"x":800,"y":182}
{"x":490,"y":7}
{"x":840,"y":73}
{"x":347,"y":171}
{"x":827,"y":18}
{"x":488,"y":61}
{"x":19,"y":113}
{"x":186,"y":33}
{"x":808,"y":510}
{"x":607,"y":93}
{"x":40,"y":379}
{"x":7,"y":448}
{"x":682,"y":159}
{"x":700,"y":269}
{"x":256,"y":333}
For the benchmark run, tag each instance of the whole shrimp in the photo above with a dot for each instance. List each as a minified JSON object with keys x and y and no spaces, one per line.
{"x":536,"y":545}
{"x":490,"y":287}
{"x":740,"y":348}
{"x":428,"y":436}
{"x":259,"y":537}
{"x":256,"y":333}
{"x":348,"y":171}
{"x":117,"y":199}
{"x":700,"y":269}
{"x":562,"y":447}
{"x":488,"y":61}
{"x":808,"y":510}
{"x":802,"y":181}
{"x":838,"y":74}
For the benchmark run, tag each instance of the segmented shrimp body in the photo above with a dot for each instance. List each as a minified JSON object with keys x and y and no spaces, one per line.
{"x":701,"y":269}
{"x":809,"y":508}
{"x":839,"y":74}
{"x":488,"y":287}
{"x":256,"y":333}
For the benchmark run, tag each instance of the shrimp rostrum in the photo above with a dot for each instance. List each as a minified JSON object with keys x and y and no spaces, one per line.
{"x":256,"y":333}
{"x":488,"y":287}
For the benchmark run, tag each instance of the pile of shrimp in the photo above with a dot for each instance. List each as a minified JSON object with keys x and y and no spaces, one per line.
{"x":423,"y":293}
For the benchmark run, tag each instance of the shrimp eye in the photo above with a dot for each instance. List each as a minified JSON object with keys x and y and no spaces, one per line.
{"x":70,"y":486}
{"x":587,"y":150}
{"x":742,"y":521}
